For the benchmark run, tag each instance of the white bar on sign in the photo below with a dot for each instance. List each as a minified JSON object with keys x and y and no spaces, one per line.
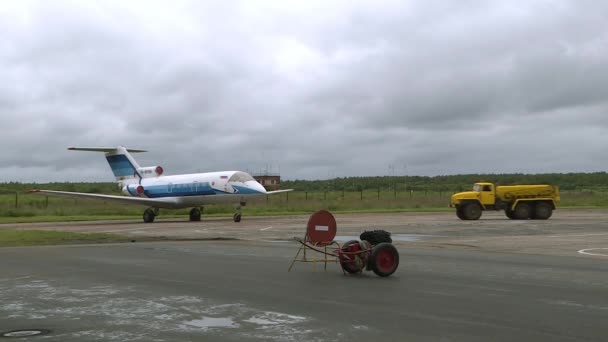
{"x":322,"y":228}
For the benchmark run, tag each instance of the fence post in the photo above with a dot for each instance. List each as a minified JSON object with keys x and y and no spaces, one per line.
{"x":16,"y":200}
{"x":378,"y":193}
{"x":362,"y":194}
{"x":46,"y":203}
{"x":306,"y":195}
{"x":287,"y":193}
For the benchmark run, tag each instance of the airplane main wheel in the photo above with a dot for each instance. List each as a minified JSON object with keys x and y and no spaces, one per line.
{"x":237,"y":217}
{"x":195,"y":214}
{"x":149,"y":216}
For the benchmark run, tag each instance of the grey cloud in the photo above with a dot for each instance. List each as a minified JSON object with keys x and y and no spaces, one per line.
{"x":321,"y":89}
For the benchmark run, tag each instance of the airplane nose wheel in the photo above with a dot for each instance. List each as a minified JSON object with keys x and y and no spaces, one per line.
{"x":237,"y":216}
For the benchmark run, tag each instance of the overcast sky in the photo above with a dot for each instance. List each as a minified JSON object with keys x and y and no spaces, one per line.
{"x":315,"y":89}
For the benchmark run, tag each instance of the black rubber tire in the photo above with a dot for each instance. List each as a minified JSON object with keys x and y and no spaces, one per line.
{"x":236,"y":218}
{"x":509,"y":213}
{"x":349,"y":266}
{"x":149,"y":216}
{"x":471,"y":211}
{"x":376,"y":236}
{"x":384,"y":259}
{"x":522,"y":211}
{"x":195,"y":215}
{"x":542,"y":211}
{"x":459,"y":213}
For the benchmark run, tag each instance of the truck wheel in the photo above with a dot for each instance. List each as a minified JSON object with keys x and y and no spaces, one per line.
{"x":459,"y":213}
{"x":384,"y":259}
{"x":471,"y":211}
{"x":542,"y":211}
{"x":522,"y":211}
{"x":509,"y":213}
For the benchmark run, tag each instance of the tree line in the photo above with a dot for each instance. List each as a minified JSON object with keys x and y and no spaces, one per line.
{"x":595,"y":181}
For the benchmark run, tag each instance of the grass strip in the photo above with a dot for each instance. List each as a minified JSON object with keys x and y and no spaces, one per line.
{"x":14,"y":238}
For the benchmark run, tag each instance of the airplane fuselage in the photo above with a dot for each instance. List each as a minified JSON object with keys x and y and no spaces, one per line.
{"x":197,"y":189}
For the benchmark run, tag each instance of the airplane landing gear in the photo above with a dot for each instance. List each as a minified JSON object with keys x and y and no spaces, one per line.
{"x":150,"y":214}
{"x":195,"y":214}
{"x":237,"y":216}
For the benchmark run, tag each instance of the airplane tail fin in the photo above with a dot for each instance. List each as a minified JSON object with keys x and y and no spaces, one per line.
{"x":125,"y":168}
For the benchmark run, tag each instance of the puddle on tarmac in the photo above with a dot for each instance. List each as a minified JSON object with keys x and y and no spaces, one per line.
{"x":212,"y":322}
{"x":395,"y":237}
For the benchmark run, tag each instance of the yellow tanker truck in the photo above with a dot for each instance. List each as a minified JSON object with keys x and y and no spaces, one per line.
{"x":520,"y":202}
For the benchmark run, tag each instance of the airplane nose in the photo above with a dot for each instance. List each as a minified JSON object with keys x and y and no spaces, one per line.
{"x":253,"y":185}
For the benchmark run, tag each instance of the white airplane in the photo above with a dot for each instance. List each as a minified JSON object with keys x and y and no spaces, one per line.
{"x":148,"y":186}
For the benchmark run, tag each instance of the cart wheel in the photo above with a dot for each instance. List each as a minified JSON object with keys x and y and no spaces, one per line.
{"x":349,"y":261}
{"x":384,"y":259}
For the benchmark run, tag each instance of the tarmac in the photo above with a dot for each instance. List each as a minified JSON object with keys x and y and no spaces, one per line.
{"x":489,"y":280}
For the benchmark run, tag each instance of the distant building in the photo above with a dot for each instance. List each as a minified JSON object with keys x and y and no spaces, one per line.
{"x":270,"y":181}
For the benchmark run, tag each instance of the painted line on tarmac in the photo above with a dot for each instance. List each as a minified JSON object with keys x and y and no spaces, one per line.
{"x":266,"y":228}
{"x":585,"y":251}
{"x":129,"y":229}
{"x":575,"y":235}
{"x":160,"y":227}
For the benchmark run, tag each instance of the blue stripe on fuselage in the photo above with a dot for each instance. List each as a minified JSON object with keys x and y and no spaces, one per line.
{"x":187,"y":189}
{"x":180,"y":190}
{"x":243,"y":190}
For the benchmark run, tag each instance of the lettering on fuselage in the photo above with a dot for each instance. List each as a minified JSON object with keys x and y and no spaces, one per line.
{"x":181,"y":189}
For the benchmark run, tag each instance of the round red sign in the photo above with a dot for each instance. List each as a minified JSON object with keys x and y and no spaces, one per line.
{"x":321,"y":228}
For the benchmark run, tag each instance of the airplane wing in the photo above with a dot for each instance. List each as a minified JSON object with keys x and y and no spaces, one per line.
{"x":153,"y":202}
{"x":277,"y":191}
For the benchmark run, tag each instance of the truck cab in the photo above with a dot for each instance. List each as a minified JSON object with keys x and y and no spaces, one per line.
{"x":487,"y":193}
{"x":484,"y":193}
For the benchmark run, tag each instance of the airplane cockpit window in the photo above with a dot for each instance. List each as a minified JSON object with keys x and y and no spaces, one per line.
{"x":241,"y":177}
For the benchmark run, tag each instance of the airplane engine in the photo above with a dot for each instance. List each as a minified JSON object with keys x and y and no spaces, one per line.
{"x":151,"y":171}
{"x":133,"y":190}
